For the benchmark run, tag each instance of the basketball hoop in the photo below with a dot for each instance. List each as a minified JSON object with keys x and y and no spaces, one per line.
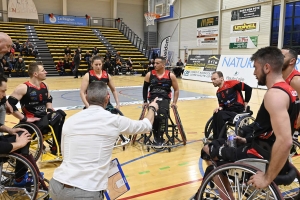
{"x":150,"y":17}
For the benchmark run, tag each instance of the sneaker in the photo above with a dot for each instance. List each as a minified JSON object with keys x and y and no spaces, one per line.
{"x":53,"y":150}
{"x":27,"y":179}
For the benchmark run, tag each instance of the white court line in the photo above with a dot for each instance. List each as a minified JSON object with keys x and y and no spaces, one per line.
{"x":79,"y":89}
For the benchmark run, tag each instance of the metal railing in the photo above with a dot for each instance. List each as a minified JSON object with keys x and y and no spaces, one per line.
{"x":134,"y":38}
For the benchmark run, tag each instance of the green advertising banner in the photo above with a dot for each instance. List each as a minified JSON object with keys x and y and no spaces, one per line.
{"x":243,"y":42}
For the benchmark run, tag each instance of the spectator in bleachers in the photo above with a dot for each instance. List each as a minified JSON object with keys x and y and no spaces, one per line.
{"x":27,"y":42}
{"x":60,"y":67}
{"x":6,"y":67}
{"x":31,"y":50}
{"x":118,"y":68}
{"x":151,"y":65}
{"x":11,"y":60}
{"x":77,"y":58}
{"x":129,"y":65}
{"x":95,"y":51}
{"x":20,"y":66}
{"x":24,"y":50}
{"x":107,"y":55}
{"x":108,"y":67}
{"x":67,"y":63}
{"x":87,"y":57}
{"x":67,"y":52}
{"x":17,"y":46}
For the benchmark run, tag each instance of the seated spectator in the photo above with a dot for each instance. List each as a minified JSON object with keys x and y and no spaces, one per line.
{"x":151,"y":65}
{"x":20,"y":67}
{"x":95,"y":51}
{"x":118,"y":67}
{"x":129,"y":65}
{"x":17,"y":46}
{"x":67,"y":52}
{"x":24,"y":50}
{"x":11,"y":60}
{"x":31,"y":50}
{"x":67,"y":64}
{"x":87,"y":57}
{"x":60,"y":67}
{"x":6,"y":67}
{"x":108,"y":67}
{"x":107,"y":55}
{"x":184,"y":64}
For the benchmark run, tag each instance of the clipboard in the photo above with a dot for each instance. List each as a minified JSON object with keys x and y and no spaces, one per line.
{"x":117,"y":183}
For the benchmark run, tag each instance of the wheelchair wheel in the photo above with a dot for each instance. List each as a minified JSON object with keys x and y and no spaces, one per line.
{"x":140,"y":118}
{"x":36,"y":145}
{"x":179,"y":125}
{"x":208,"y":130}
{"x":291,"y":191}
{"x":233,"y":184}
{"x":243,"y":121}
{"x":9,"y":189}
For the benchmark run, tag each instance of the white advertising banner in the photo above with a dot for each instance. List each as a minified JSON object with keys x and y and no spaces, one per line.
{"x":207,"y":36}
{"x":238,"y":68}
{"x":244,"y":27}
{"x":197,"y":75}
{"x":22,"y":9}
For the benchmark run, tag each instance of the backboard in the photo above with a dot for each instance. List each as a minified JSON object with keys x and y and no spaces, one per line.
{"x":164,"y":8}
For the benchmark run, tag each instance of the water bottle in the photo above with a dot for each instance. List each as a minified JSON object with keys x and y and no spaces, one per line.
{"x":295,"y":135}
{"x":230,"y":140}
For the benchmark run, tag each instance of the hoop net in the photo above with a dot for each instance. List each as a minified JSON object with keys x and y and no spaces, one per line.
{"x":150,"y":17}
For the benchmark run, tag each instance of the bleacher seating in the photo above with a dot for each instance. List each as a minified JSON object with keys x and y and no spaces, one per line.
{"x":125,"y":47}
{"x":57,"y":37}
{"x":17,"y":32}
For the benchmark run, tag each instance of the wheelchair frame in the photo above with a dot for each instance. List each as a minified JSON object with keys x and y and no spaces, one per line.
{"x":144,"y":139}
{"x":122,"y":141}
{"x":236,"y":123}
{"x":237,"y":175}
{"x":37,"y":188}
{"x":39,"y":138}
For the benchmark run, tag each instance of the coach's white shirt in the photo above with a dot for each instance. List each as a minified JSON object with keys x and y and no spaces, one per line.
{"x":88,"y":139}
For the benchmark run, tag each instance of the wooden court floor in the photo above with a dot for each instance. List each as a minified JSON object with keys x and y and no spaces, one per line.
{"x":154,"y":175}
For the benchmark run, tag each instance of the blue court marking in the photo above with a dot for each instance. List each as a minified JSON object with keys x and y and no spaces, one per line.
{"x":150,"y":154}
{"x":201,"y":166}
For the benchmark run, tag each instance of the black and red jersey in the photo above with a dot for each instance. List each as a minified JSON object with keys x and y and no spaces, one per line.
{"x":160,"y":87}
{"x":34,"y":102}
{"x":291,"y":76}
{"x":104,"y":77}
{"x":263,"y":127}
{"x":230,"y":96}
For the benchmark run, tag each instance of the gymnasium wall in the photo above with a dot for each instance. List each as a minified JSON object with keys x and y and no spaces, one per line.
{"x":130,"y":10}
{"x":133,"y":15}
{"x":263,"y":34}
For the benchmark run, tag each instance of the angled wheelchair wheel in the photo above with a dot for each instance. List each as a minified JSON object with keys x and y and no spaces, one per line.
{"x":243,"y":121}
{"x":122,"y":140}
{"x":9,"y":188}
{"x":208,"y":130}
{"x":229,"y":181}
{"x":179,"y":124}
{"x":36,"y":145}
{"x":291,"y":191}
{"x":140,"y":118}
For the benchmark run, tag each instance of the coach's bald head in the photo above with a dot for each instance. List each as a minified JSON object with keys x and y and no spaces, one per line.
{"x":5,"y":44}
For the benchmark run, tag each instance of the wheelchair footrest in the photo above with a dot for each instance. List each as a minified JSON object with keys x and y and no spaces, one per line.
{"x":48,"y":157}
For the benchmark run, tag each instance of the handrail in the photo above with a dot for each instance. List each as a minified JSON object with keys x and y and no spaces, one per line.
{"x":134,"y":39}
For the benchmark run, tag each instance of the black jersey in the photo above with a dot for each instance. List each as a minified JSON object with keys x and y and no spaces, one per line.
{"x":33,"y":103}
{"x":160,"y":87}
{"x":104,"y":77}
{"x":230,"y":96}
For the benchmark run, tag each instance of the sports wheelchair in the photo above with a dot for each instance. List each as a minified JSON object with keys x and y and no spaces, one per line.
{"x":122,"y":141}
{"x":238,"y":121}
{"x":41,"y":143}
{"x":171,"y":141}
{"x":35,"y":185}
